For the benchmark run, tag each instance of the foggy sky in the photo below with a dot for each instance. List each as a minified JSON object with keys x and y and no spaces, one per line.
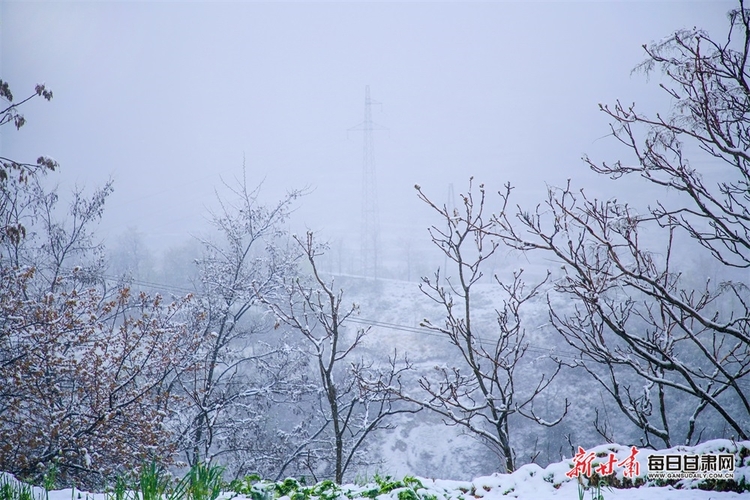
{"x":166,"y":97}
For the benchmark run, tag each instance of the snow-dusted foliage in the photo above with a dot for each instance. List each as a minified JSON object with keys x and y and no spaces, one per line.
{"x":240,"y":401}
{"x":18,"y":201}
{"x":85,"y":369}
{"x":11,"y":170}
{"x":84,"y":379}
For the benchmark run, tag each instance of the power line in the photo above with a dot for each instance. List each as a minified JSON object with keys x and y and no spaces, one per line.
{"x":370,"y":322}
{"x":430,"y":333}
{"x":363,"y":321}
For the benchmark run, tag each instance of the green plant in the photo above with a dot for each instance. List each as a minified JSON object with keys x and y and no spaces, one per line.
{"x":286,"y":486}
{"x":245,"y":485}
{"x":49,"y":481}
{"x":370,"y":493}
{"x":259,"y":490}
{"x":595,"y":492}
{"x":204,"y":482}
{"x":412,"y":482}
{"x":120,"y":490}
{"x":153,"y":482}
{"x":387,"y":484}
{"x":325,"y":490}
{"x":12,"y":489}
{"x":407,"y":494}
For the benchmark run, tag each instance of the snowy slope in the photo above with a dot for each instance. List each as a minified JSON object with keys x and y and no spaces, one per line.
{"x":421,"y":445}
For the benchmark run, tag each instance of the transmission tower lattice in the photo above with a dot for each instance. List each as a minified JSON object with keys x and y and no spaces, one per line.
{"x":370,"y":226}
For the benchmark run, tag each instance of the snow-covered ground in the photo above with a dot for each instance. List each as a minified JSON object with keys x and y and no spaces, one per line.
{"x":531,"y":482}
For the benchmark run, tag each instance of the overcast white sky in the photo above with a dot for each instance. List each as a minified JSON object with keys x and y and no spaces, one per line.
{"x":165,"y":97}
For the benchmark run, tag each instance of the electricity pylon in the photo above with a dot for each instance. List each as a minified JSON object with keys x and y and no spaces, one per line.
{"x":370,"y":226}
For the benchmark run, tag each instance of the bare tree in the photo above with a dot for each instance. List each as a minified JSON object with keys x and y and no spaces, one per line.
{"x":129,"y":257}
{"x":667,"y":351}
{"x":348,"y":411}
{"x":243,"y":374}
{"x":69,"y":241}
{"x":481,"y":393}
